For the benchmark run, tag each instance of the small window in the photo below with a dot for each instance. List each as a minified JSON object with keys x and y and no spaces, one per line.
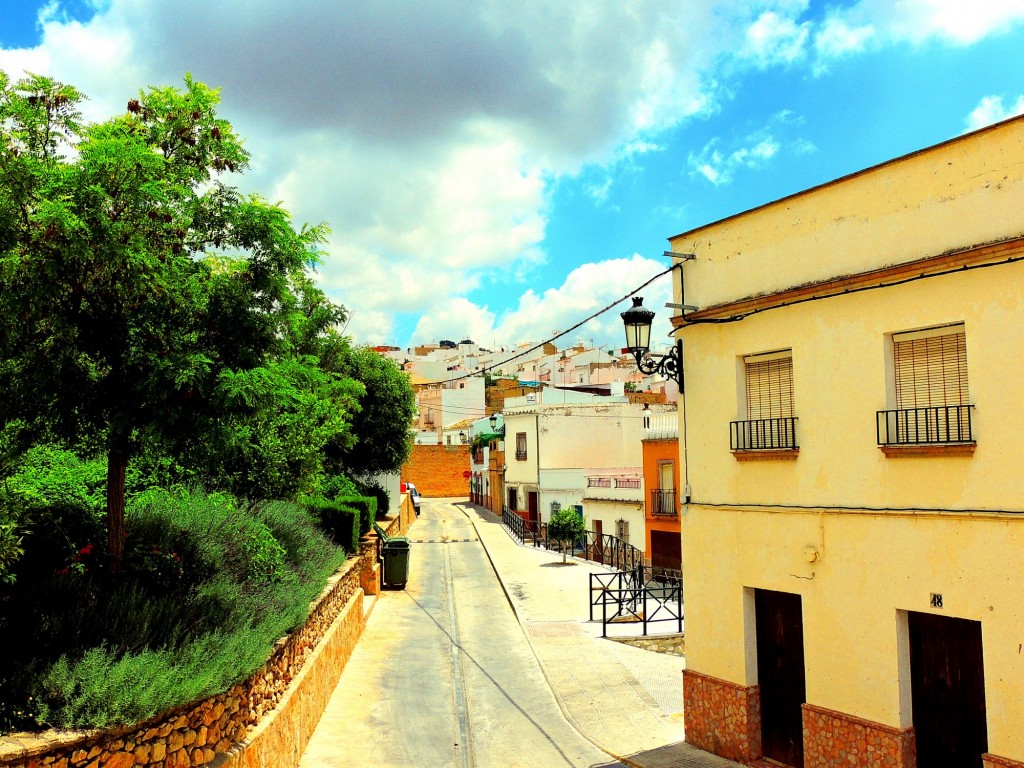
{"x":622,"y":530}
{"x":930,"y":389}
{"x":768,"y":421}
{"x":520,"y":446}
{"x":931,"y":367}
{"x":769,"y":385}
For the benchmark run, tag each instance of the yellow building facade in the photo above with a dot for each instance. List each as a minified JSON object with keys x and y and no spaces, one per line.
{"x":853,"y":548}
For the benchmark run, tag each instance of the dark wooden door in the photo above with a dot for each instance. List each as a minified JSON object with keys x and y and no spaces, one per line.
{"x":513,"y":501}
{"x":666,"y":550}
{"x":533,"y":507}
{"x":947,"y":683}
{"x":780,"y":673}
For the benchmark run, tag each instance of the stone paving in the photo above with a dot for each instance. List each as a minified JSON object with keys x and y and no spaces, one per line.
{"x":625,"y":700}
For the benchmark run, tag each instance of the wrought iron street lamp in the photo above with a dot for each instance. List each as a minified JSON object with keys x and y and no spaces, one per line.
{"x":494,"y":425}
{"x":637,"y":320}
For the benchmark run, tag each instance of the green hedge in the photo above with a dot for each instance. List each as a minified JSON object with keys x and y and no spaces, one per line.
{"x":381,"y":495}
{"x":367,"y":506}
{"x":338,"y":520}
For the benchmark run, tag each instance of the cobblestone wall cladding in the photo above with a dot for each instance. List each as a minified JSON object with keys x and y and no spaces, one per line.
{"x":265,"y":720}
{"x":721,"y":717}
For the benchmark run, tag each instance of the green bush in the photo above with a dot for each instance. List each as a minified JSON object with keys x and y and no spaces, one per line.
{"x":339,"y":521}
{"x":377,"y":491}
{"x":209,"y":586}
{"x":367,"y":509}
{"x":54,"y":506}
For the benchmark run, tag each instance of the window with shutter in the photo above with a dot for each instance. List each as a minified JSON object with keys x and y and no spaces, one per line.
{"x":930,"y":386}
{"x":520,"y":446}
{"x":769,"y":386}
{"x":931,"y":368}
{"x":770,"y":422}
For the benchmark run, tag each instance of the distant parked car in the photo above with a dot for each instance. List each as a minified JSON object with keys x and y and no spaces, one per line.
{"x":415,"y":496}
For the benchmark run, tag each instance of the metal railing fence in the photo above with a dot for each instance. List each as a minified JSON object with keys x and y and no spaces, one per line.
{"x":934,"y":424}
{"x":763,"y":434}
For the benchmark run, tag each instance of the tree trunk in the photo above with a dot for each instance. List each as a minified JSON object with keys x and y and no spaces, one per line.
{"x":117,"y":464}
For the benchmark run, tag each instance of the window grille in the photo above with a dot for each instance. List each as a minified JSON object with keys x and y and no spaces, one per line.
{"x":622,"y":530}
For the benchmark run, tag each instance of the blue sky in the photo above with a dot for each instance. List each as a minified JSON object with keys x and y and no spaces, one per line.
{"x":500,"y":170}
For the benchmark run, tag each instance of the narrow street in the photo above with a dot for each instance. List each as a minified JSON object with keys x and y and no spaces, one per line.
{"x":443,"y":674}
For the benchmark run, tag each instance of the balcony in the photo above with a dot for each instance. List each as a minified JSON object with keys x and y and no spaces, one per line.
{"x":936,"y":425}
{"x":778,"y":434}
{"x":663,"y":502}
{"x":521,"y":455}
{"x":614,"y":484}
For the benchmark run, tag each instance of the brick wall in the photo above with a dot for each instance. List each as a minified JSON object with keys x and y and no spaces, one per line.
{"x":438,"y":470}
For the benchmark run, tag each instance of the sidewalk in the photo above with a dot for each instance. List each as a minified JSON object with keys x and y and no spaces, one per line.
{"x":625,"y":700}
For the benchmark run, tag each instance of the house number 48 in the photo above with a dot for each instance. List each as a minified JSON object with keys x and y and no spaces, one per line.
{"x":936,"y":600}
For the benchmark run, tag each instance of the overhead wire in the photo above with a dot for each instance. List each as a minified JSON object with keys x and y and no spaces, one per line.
{"x":535,"y":347}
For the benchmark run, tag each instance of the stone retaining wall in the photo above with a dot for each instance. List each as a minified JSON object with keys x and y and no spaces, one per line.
{"x":265,"y":720}
{"x":672,"y":644}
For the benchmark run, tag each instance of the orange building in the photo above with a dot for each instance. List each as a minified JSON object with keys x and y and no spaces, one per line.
{"x":663,"y":543}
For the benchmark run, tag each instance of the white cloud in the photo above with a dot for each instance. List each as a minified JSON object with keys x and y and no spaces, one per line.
{"x":774,"y":39}
{"x":541,"y":314}
{"x":836,"y":38}
{"x":916,"y":21}
{"x":991,"y":110}
{"x":429,"y":133}
{"x":719,"y":168}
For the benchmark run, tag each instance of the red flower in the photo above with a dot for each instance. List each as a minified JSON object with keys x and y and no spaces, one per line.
{"x":86,"y":550}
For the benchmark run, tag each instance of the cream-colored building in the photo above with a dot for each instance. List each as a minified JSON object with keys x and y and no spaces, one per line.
{"x":853,"y":547}
{"x":557,"y":439}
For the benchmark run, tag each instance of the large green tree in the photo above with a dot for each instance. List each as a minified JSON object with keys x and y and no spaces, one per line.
{"x":136,"y":285}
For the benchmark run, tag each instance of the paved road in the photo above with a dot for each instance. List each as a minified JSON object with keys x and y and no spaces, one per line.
{"x":443,"y":674}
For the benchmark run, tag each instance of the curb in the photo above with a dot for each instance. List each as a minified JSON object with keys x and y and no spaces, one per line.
{"x":558,"y":699}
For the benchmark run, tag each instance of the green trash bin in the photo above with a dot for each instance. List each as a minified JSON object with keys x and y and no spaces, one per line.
{"x":396,"y":561}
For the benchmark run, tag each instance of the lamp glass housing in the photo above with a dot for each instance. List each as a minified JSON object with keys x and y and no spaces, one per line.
{"x":637,"y":321}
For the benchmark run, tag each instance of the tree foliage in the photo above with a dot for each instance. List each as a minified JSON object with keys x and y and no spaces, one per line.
{"x":565,"y":527}
{"x":139,"y":292}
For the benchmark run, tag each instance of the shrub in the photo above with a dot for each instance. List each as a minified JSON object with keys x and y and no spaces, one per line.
{"x":366,"y":507}
{"x":377,"y":491}
{"x":209,"y":587}
{"x":339,"y":521}
{"x":53,"y":504}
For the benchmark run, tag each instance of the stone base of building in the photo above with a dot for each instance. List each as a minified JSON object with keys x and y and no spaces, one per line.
{"x":833,"y":739}
{"x":722,"y":717}
{"x":994,"y":761}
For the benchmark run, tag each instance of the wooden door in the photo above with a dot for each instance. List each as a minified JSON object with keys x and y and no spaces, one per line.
{"x":533,"y":508}
{"x":513,"y":501}
{"x":947,"y":684}
{"x":780,"y":672}
{"x":666,"y":550}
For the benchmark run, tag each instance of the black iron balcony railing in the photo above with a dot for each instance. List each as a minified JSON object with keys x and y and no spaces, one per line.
{"x":763,"y":434}
{"x":936,"y":425}
{"x":621,"y":482}
{"x":520,"y":455}
{"x":599,"y":482}
{"x":663,"y":502}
